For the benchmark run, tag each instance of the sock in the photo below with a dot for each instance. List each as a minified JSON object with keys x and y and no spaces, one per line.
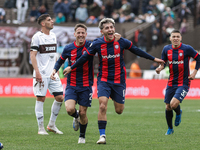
{"x":75,"y":114}
{"x":39,"y":113}
{"x":169,"y":116}
{"x":102,"y":127}
{"x":54,"y":112}
{"x":82,"y":130}
{"x":178,"y":110}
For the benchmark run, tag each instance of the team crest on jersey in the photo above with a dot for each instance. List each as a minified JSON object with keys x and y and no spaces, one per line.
{"x":181,"y":54}
{"x":116,"y":46}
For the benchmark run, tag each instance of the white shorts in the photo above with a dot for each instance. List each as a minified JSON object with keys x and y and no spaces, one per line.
{"x":40,"y":89}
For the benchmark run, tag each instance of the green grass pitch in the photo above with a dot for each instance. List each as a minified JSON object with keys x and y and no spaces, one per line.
{"x":142,"y":126}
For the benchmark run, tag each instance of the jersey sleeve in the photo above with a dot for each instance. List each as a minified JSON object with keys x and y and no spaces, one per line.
{"x":92,"y":48}
{"x":134,"y":49}
{"x":35,"y":43}
{"x":164,"y":55}
{"x":195,"y":55}
{"x":90,"y":52}
{"x":63,"y":57}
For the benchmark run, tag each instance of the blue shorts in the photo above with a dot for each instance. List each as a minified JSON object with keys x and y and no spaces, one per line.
{"x":82,"y":95}
{"x":179,"y":92}
{"x":115,"y":91}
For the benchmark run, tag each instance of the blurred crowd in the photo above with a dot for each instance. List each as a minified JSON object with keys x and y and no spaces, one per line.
{"x":91,"y":11}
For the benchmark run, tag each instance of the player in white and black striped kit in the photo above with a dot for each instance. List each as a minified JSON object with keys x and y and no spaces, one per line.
{"x":43,"y":58}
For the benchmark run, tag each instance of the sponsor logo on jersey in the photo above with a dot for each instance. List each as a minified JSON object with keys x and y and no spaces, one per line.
{"x":111,"y":56}
{"x":176,"y":62}
{"x":52,"y":48}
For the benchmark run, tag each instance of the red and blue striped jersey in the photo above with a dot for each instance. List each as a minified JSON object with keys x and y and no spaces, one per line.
{"x":178,"y":60}
{"x":111,"y":58}
{"x":83,"y":75}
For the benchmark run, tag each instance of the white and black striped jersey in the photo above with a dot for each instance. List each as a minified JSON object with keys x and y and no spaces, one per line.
{"x":46,"y":46}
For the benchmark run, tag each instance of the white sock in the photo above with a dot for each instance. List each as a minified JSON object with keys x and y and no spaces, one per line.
{"x":54,"y":112}
{"x":39,"y":113}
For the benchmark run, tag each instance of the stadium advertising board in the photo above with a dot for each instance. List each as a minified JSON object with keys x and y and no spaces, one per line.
{"x":136,"y":88}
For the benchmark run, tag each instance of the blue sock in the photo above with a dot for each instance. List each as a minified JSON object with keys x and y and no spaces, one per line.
{"x":102,"y":127}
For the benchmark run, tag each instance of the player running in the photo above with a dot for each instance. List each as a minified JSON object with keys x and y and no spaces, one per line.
{"x":178,"y":55}
{"x":112,"y":73}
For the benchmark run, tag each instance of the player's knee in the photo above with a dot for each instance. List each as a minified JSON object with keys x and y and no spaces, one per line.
{"x":173,"y":106}
{"x":102,"y":107}
{"x":59,"y":98}
{"x":82,"y":113}
{"x":119,"y":111}
{"x":70,"y":110}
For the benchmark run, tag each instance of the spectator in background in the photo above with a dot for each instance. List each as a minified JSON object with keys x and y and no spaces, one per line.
{"x":168,"y":12}
{"x":169,"y":21}
{"x":184,"y":26}
{"x":34,"y":14}
{"x":74,"y":5}
{"x":183,"y":12}
{"x":151,"y":6}
{"x":81,"y":13}
{"x":94,"y":12}
{"x":107,"y":9}
{"x":2,"y":15}
{"x":168,"y":3}
{"x":60,"y":18}
{"x":145,"y":3}
{"x":117,"y":4}
{"x":125,"y":11}
{"x":42,"y":9}
{"x":154,"y":37}
{"x":135,"y":6}
{"x":66,"y":9}
{"x":142,"y":41}
{"x":57,"y":7}
{"x":135,"y":71}
{"x":22,"y":6}
{"x":150,"y":17}
{"x":9,"y":6}
{"x":160,"y":6}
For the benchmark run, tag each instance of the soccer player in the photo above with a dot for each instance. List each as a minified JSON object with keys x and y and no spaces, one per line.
{"x":43,"y":58}
{"x":112,"y":73}
{"x":178,"y":55}
{"x":79,"y":81}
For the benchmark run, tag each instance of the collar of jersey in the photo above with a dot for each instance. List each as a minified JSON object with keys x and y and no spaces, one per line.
{"x":177,"y":47}
{"x":108,"y":41}
{"x":79,"y":46}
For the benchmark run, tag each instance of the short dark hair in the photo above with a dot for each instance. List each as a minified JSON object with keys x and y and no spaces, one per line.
{"x":175,"y":31}
{"x":42,"y":17}
{"x":80,"y":25}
